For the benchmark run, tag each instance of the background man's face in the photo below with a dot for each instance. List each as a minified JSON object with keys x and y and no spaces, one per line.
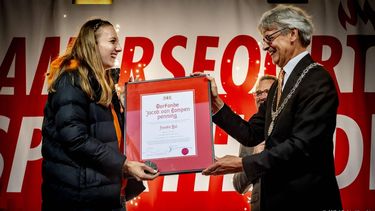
{"x":262,"y":91}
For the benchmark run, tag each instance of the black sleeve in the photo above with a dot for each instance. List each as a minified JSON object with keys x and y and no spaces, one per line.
{"x":247,"y":133}
{"x":70,"y":104}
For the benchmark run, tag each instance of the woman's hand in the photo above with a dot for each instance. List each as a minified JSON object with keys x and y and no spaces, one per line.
{"x":139,"y":171}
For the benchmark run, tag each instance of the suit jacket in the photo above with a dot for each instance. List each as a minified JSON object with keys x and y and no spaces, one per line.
{"x":240,"y":182}
{"x":297,"y":166}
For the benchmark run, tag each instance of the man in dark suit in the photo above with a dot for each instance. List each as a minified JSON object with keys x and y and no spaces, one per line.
{"x":297,"y":122}
{"x":240,"y":182}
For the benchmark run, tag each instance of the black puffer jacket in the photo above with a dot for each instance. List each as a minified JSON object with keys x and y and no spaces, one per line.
{"x":81,"y":160}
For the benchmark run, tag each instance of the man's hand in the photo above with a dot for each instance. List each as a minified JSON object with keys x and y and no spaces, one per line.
{"x":217,"y":102}
{"x":225,"y":165}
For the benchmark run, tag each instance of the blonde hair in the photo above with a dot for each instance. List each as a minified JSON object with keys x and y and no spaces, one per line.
{"x":85,"y":58}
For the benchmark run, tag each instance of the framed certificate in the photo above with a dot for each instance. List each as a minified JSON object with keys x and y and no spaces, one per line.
{"x":168,"y":122}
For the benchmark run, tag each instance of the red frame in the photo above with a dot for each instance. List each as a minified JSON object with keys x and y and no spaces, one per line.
{"x":202,"y":105}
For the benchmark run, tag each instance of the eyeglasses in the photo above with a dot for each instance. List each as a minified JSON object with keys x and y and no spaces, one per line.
{"x":260,"y":93}
{"x":269,"y":38}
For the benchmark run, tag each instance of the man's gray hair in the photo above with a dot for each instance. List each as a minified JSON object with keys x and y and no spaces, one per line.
{"x":288,"y":16}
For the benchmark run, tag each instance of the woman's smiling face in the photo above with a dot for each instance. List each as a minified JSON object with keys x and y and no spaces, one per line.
{"x":108,"y":45}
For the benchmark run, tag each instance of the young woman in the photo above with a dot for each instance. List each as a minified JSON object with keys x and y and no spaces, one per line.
{"x":83,"y":166}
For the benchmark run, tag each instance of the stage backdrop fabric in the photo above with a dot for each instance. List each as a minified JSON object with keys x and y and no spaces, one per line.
{"x":173,"y":38}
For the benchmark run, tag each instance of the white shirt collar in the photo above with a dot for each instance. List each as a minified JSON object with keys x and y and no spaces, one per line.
{"x":288,"y":68}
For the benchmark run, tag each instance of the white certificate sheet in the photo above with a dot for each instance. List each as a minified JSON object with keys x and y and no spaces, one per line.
{"x":168,"y":125}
